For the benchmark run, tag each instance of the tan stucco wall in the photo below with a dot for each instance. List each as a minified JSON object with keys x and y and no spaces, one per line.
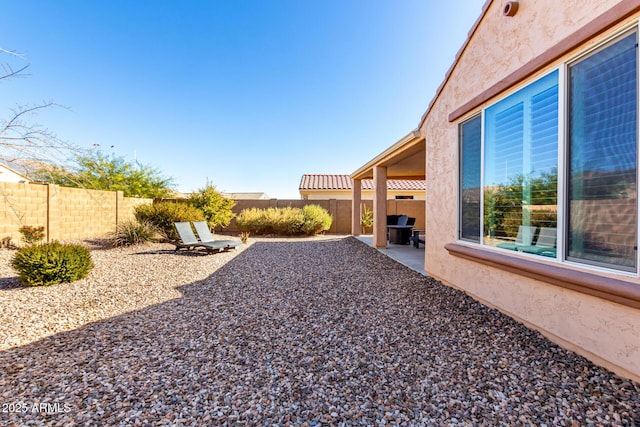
{"x":7,"y":175}
{"x":366,"y":194}
{"x":608,"y":333}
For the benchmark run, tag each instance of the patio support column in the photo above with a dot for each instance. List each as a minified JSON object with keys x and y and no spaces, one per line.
{"x":379,"y":206}
{"x":356,"y":197}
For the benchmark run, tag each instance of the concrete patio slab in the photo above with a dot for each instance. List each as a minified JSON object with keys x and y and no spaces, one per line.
{"x":405,"y":254}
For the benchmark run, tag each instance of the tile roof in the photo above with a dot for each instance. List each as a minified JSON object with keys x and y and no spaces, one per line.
{"x":344,"y":182}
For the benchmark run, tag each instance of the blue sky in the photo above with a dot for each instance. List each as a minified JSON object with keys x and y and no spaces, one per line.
{"x":247,"y":94}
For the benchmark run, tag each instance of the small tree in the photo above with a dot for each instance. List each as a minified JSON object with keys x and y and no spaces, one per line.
{"x":216,"y":208}
{"x":101,"y":172}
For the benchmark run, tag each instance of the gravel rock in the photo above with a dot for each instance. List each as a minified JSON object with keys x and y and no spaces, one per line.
{"x":305,"y":332}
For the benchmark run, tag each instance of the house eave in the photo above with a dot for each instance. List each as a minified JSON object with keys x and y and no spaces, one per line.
{"x":390,"y":155}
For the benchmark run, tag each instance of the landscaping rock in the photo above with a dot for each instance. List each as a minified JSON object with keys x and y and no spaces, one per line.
{"x":319,"y":331}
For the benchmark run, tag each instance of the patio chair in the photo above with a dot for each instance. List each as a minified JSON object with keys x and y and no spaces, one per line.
{"x":544,"y":245}
{"x":523,"y":238}
{"x":189,"y":241}
{"x":400,"y":232}
{"x":392,"y":219}
{"x":202,"y":229}
{"x":417,"y":237}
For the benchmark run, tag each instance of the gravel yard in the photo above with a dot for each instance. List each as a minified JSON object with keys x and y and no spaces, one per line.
{"x":282,"y":332}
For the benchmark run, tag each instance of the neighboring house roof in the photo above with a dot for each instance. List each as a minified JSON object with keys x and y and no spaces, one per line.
{"x":233,"y":196}
{"x":246,"y":196}
{"x":8,"y":174}
{"x":344,"y":182}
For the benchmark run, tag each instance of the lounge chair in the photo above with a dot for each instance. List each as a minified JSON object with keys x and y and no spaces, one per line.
{"x":189,"y":241}
{"x":523,"y":238}
{"x":202,"y":229}
{"x":545,"y":244}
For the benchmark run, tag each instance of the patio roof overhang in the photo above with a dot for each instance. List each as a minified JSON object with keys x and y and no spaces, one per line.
{"x":406,"y":159}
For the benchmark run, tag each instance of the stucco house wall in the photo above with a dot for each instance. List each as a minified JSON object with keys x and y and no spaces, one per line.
{"x":9,"y":175}
{"x":498,"y":46}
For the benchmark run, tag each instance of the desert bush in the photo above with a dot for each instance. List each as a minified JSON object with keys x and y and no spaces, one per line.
{"x":287,"y":221}
{"x":31,"y":234}
{"x":316,"y":220}
{"x":312,"y":219}
{"x":163,"y":214}
{"x":51,"y":263}
{"x":216,"y":207}
{"x":250,"y":220}
{"x":284,"y":221}
{"x":133,"y":233}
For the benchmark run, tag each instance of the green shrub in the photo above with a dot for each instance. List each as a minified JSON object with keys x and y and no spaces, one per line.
{"x":216,"y":207}
{"x":252,"y":220}
{"x":286,"y":221}
{"x":31,"y":234}
{"x":312,"y":219}
{"x":316,"y":220}
{"x":366,"y":218}
{"x":163,"y":214}
{"x":51,"y":263}
{"x":133,"y":233}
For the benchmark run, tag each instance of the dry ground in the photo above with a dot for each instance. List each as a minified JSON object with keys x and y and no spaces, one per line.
{"x":283,"y":332}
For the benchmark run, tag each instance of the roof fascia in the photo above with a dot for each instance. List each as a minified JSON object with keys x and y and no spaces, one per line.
{"x":407,"y":141}
{"x":449,"y":72}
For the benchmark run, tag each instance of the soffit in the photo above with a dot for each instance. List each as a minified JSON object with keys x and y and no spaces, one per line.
{"x":406,"y":159}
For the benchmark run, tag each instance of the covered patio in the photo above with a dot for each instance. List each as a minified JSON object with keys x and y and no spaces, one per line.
{"x":407,"y":255}
{"x":403,"y":160}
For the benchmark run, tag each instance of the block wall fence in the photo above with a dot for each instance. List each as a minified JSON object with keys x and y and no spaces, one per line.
{"x":76,"y":213}
{"x":66,"y":213}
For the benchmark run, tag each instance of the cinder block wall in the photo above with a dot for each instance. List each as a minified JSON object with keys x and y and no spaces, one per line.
{"x":76,"y":213}
{"x":66,"y":213}
{"x":22,"y":204}
{"x":126,"y":207}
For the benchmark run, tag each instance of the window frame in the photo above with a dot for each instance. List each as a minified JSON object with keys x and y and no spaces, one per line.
{"x":599,"y":47}
{"x":476,"y":116}
{"x":562,"y":68}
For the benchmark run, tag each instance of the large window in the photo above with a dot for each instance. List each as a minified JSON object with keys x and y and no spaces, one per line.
{"x":470,"y":152}
{"x":509,"y":165}
{"x":603,"y":202}
{"x":521,"y":169}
